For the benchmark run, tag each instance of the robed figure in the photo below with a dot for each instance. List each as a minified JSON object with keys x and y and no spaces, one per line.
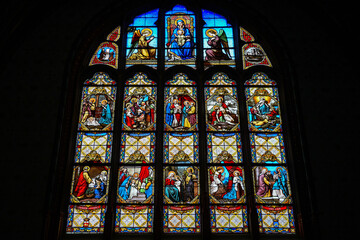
{"x":181,"y":43}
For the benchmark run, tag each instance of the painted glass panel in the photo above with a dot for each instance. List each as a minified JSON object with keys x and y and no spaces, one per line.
{"x":180,"y":37}
{"x":137,"y":148}
{"x":260,"y":79}
{"x":180,"y":109}
{"x":224,"y":148}
{"x":263,"y":109}
{"x":86,"y":219}
{"x":93,"y":147}
{"x":97,"y":108}
{"x":253,"y":55}
{"x":181,"y":148}
{"x":228,"y":219}
{"x":100,"y":78}
{"x":218,"y":40}
{"x":271,"y":184}
{"x":90,"y":184}
{"x":139,"y":108}
{"x":136,"y":184}
{"x":246,"y":36}
{"x":181,"y":219}
{"x":106,"y":54}
{"x":140,"y":79}
{"x":226,"y":184}
{"x":114,"y":35}
{"x":222,"y":112}
{"x":134,"y":219}
{"x":276,"y":219}
{"x":181,"y":184}
{"x":141,"y":41}
{"x":180,"y":79}
{"x":220,"y":79}
{"x":267,"y":148}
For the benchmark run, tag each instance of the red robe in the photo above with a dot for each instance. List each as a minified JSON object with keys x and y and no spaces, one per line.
{"x":81,"y":186}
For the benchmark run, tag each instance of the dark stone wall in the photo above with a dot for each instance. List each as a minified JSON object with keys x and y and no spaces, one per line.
{"x":39,"y":40}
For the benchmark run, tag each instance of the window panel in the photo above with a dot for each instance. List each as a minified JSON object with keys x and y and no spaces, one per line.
{"x":134,"y":219}
{"x":222,"y":112}
{"x":139,"y":109}
{"x":180,"y":37}
{"x":267,"y":148}
{"x":228,"y":219}
{"x":181,"y":219}
{"x":181,"y":148}
{"x":253,"y":55}
{"x":86,"y":219}
{"x":276,"y":219}
{"x":137,"y":148}
{"x":263,"y":109}
{"x":224,"y":148}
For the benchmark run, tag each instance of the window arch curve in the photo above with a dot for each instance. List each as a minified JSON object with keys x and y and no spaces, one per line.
{"x":197,"y":167}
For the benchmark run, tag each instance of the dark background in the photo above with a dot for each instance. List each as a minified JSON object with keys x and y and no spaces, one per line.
{"x":38,"y":43}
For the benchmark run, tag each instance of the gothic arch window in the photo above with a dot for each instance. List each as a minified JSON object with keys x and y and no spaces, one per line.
{"x":179,"y":134}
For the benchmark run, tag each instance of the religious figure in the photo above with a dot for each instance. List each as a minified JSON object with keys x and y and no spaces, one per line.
{"x":181,"y":43}
{"x":280,"y":188}
{"x":264,"y":184}
{"x":217,"y":42}
{"x":141,"y":41}
{"x":171,"y":190}
{"x":82,"y":184}
{"x":106,"y":113}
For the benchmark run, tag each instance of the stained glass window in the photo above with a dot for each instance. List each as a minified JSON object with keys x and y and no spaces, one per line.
{"x":269,"y":165}
{"x":135,"y":193}
{"x":219,"y":41}
{"x":142,"y":40}
{"x":180,"y":37}
{"x":92,"y":165}
{"x":197,"y":153}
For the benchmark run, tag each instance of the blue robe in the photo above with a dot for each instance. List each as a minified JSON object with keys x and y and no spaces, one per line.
{"x":281,"y":183}
{"x":99,"y":192}
{"x":169,"y":115}
{"x":185,"y":51}
{"x":106,"y":115}
{"x":123,"y":192}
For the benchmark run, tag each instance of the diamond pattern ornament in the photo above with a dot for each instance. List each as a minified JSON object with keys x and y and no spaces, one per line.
{"x":174,"y":220}
{"x":188,"y":221}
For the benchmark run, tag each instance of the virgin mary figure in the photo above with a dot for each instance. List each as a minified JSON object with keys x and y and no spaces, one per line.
{"x":181,"y":43}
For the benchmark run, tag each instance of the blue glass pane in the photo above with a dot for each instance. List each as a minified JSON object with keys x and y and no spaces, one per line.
{"x":179,"y":9}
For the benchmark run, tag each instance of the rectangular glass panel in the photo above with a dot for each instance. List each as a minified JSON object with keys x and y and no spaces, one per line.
{"x":135,"y":184}
{"x":222,"y":112}
{"x":90,"y":184}
{"x":180,"y":39}
{"x":224,"y":148}
{"x":93,"y":147}
{"x":137,"y":148}
{"x":139,"y":109}
{"x":228,"y":219}
{"x":86,"y":219}
{"x":271,"y":184}
{"x":181,"y":184}
{"x":263,"y":109}
{"x":267,"y":148}
{"x":181,"y":148}
{"x":226,"y":184}
{"x":97,"y":109}
{"x":134,"y":219}
{"x":181,"y":219}
{"x":180,"y":109}
{"x":276,"y":219}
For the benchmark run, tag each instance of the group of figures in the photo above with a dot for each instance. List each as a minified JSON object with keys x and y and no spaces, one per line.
{"x":135,"y":185}
{"x":180,"y":45}
{"x":264,"y":111}
{"x":180,"y":113}
{"x":226,"y":181}
{"x":272,"y":186}
{"x":90,"y":184}
{"x":181,"y":185}
{"x":139,"y":112}
{"x":94,"y":116}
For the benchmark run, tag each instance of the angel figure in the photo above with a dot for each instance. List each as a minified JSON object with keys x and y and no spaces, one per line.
{"x":217,"y":42}
{"x":140,"y":41}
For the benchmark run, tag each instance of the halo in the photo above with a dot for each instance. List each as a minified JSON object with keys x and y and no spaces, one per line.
{"x":183,"y":19}
{"x":147,"y":29}
{"x":210,"y":29}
